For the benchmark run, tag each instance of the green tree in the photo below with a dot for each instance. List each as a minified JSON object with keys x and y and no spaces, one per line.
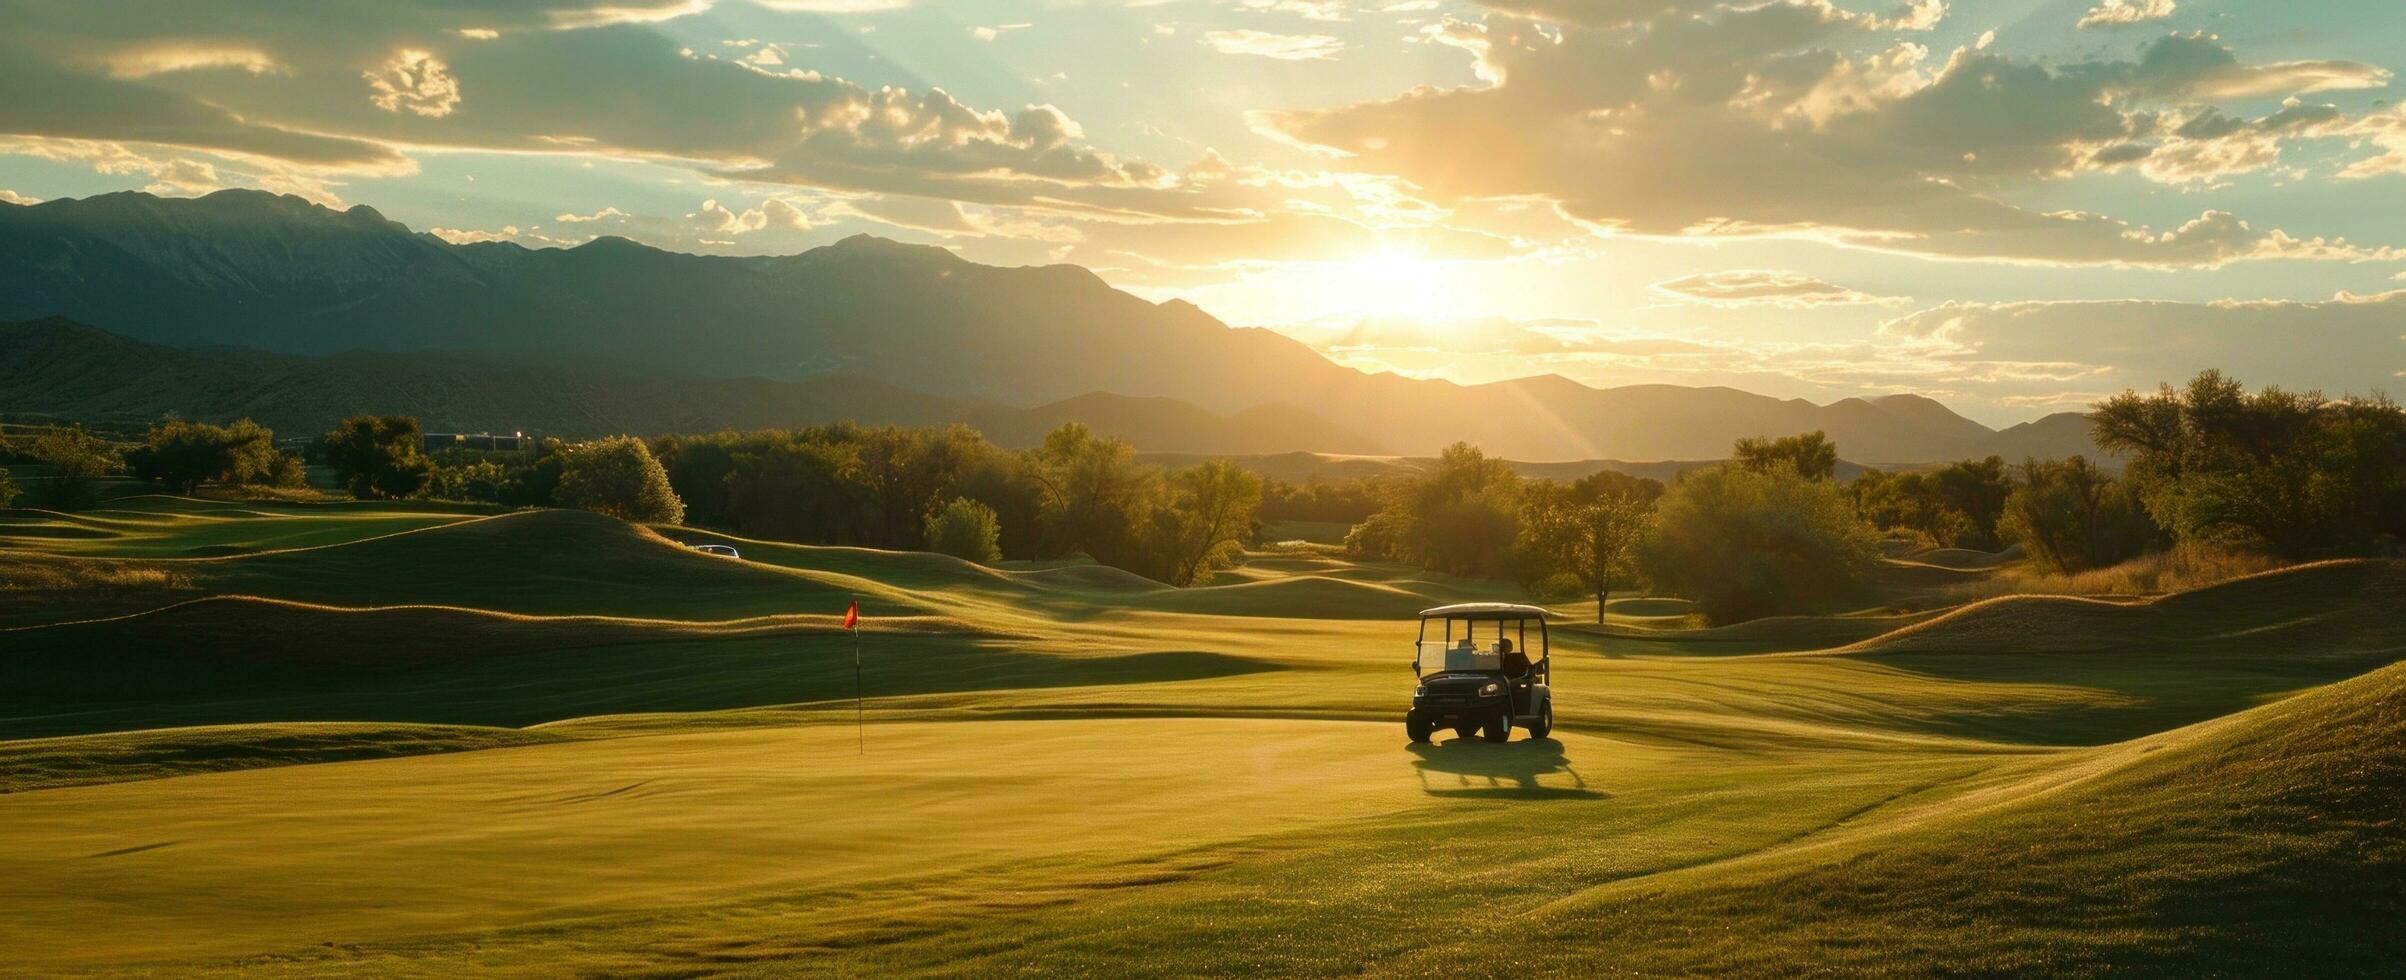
{"x":2291,"y":472}
{"x":965,"y":529}
{"x":787,"y":488}
{"x":1096,"y":496}
{"x":1954,"y":506}
{"x":1743,"y":544}
{"x":1210,"y":509}
{"x":379,"y":456}
{"x":76,"y":461}
{"x":618,"y":476}
{"x":1810,"y":455}
{"x":2072,"y":516}
{"x":182,"y":455}
{"x":8,"y":489}
{"x":1463,"y":518}
{"x":1594,"y":540}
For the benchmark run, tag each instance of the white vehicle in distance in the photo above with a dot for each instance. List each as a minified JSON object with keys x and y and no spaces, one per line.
{"x":721,"y":550}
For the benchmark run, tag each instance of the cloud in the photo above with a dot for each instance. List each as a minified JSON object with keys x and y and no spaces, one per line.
{"x":1284,"y":47}
{"x":143,"y":62}
{"x":834,"y":6}
{"x":998,"y":30}
{"x":776,"y":212}
{"x":183,"y":178}
{"x":1757,"y":287}
{"x":12,"y":197}
{"x":1326,"y":10}
{"x":458,"y":236}
{"x":416,"y":81}
{"x":573,"y":218}
{"x":782,"y":213}
{"x":2114,"y":13}
{"x":717,"y":218}
{"x":1786,"y":119}
{"x":359,"y":88}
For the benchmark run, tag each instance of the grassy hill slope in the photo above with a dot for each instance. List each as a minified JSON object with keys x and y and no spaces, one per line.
{"x":554,"y":743}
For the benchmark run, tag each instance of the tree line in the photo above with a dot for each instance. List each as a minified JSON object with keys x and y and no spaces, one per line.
{"x":948,"y":489}
{"x":944,"y":489}
{"x":2287,"y":474}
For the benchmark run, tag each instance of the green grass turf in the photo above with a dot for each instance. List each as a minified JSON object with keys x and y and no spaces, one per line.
{"x":548,"y":743}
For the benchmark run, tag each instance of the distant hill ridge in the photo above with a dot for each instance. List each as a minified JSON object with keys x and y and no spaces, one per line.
{"x":70,"y":370}
{"x":249,"y":269}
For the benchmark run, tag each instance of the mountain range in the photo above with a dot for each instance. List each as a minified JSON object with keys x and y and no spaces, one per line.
{"x":69,"y":370}
{"x":272,"y":306}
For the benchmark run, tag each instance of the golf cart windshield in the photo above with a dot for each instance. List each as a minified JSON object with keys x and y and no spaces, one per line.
{"x":1483,"y":637}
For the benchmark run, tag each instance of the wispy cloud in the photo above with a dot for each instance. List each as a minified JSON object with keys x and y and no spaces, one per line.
{"x":2114,"y":13}
{"x":1762,"y":287}
{"x":1284,"y":47}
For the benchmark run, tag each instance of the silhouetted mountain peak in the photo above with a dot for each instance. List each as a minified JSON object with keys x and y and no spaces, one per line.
{"x":868,"y":246}
{"x":278,"y":273}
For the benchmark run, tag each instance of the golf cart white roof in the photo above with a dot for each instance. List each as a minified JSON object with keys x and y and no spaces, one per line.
{"x":1484,"y":610}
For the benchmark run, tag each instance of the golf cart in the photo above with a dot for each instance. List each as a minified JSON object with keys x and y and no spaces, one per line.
{"x":1479,"y":673}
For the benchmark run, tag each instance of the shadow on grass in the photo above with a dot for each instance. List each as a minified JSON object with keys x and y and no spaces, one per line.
{"x":1532,"y":769}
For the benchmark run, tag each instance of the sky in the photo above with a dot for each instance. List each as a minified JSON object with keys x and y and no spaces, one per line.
{"x":2017,"y":207}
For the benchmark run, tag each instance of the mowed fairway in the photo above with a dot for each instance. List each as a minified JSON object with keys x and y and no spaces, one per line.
{"x":549,"y":743}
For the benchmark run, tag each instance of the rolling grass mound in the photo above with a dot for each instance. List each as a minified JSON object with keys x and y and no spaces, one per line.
{"x":1089,"y":578}
{"x":177,"y":527}
{"x":231,"y":631}
{"x":545,"y":562}
{"x":2328,"y":601}
{"x":2270,"y":843}
{"x":1651,"y":607}
{"x":2024,"y":623}
{"x":1769,"y":634}
{"x":1299,"y":597}
{"x":82,"y":760}
{"x":37,"y":589}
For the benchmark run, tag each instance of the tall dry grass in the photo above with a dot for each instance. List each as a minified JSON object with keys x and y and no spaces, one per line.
{"x":2186,"y":566}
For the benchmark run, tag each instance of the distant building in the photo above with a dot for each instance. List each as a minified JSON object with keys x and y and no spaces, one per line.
{"x":481,"y":441}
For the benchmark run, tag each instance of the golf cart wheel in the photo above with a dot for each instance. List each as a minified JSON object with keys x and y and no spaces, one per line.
{"x":1544,"y":724}
{"x":1499,"y":728}
{"x":1465,"y":729}
{"x":1416,"y":730}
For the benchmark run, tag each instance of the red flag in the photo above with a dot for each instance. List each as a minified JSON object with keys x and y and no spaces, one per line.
{"x":852,"y":615}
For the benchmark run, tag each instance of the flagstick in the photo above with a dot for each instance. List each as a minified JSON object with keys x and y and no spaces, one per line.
{"x":860,"y":714}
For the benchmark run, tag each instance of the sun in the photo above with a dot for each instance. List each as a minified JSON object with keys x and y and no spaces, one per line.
{"x":1389,"y":280}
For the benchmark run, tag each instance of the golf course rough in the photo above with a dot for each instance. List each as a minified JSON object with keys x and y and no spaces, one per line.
{"x":392,"y":739}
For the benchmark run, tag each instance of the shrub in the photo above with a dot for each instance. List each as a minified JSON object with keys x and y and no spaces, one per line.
{"x":618,"y":476}
{"x":8,"y":489}
{"x":1743,"y":544}
{"x":966,"y":529}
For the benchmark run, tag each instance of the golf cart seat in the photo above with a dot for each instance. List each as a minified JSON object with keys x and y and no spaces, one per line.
{"x":1514,"y":664}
